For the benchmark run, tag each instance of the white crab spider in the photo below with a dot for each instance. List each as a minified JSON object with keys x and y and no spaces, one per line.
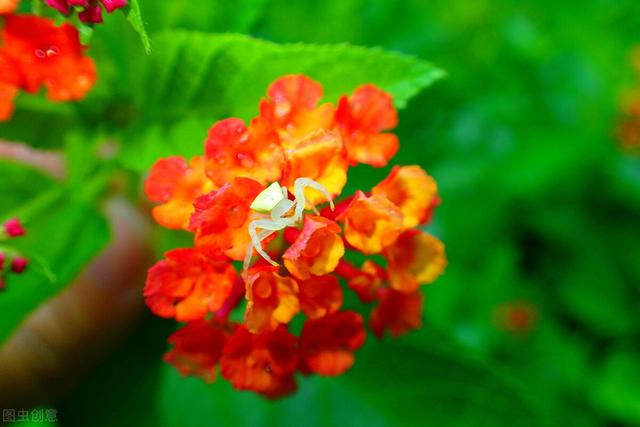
{"x":274,"y":200}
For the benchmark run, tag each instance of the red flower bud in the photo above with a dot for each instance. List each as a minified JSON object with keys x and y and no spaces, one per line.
{"x":13,"y":228}
{"x":18,"y":264}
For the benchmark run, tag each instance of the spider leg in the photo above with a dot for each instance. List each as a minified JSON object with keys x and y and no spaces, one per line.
{"x":298,"y":190}
{"x":266,"y":225}
{"x":263,"y":234}
{"x":281,"y":208}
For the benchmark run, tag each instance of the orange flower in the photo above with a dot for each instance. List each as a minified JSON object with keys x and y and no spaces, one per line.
{"x":264,"y":363}
{"x":317,"y":249}
{"x":176,"y":184}
{"x":198,"y":347}
{"x":8,"y":6}
{"x":369,"y":279}
{"x":397,"y":312}
{"x":233,"y":150}
{"x":48,"y":55}
{"x":292,"y":108}
{"x":320,"y":158}
{"x":361,"y":118}
{"x":415,"y":258}
{"x":371,"y":223}
{"x":221,"y":218}
{"x":187,"y":285}
{"x":320,"y":296}
{"x":412,"y":190}
{"x":327,"y":344}
{"x":272,"y":299}
{"x":517,"y":317}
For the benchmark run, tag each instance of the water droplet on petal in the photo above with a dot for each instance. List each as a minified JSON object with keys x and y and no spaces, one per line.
{"x":40,"y":53}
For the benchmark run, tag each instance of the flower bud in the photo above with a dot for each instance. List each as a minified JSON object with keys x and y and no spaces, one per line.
{"x":13,"y":228}
{"x":18,"y":264}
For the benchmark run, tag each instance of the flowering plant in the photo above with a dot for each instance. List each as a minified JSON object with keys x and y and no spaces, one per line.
{"x":275,"y":187}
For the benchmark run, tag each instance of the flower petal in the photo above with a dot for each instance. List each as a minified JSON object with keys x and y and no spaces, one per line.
{"x":371,"y":223}
{"x":415,"y":258}
{"x":233,"y":150}
{"x":316,"y":251}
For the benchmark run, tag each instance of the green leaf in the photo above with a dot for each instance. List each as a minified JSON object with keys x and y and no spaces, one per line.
{"x":194,"y":79}
{"x":132,"y":12}
{"x":158,"y":140}
{"x":66,"y":236}
{"x":19,"y":183}
{"x":617,"y":390}
{"x":228,"y":74}
{"x":80,"y":159}
{"x":214,"y":16}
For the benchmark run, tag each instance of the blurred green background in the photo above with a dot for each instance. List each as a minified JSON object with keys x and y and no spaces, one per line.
{"x":540,"y":210}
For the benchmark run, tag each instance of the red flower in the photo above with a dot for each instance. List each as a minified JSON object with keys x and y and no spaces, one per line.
{"x":327,"y":344}
{"x":221,"y":218}
{"x":176,"y":184}
{"x":368,"y":280}
{"x":320,"y":295}
{"x":187,"y":285}
{"x":361,"y":118}
{"x":264,"y":363}
{"x":397,"y":312}
{"x":10,"y":82}
{"x":292,"y":108}
{"x":272,"y":299}
{"x":49,"y":56}
{"x":517,"y":317}
{"x":198,"y":347}
{"x":317,"y":249}
{"x":233,"y":150}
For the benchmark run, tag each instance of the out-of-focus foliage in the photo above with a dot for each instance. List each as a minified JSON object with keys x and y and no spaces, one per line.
{"x":539,"y":204}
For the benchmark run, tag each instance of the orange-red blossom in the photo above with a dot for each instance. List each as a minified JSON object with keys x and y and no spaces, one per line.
{"x":294,"y":136}
{"x":35,"y":53}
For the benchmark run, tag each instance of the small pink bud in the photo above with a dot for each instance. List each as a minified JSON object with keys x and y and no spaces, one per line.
{"x":2,"y":258}
{"x":60,"y":5}
{"x":112,"y":5}
{"x":91,"y":15}
{"x":13,"y":228}
{"x":18,"y":264}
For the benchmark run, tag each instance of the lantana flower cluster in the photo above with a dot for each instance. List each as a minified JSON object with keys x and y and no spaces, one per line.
{"x":89,"y":11}
{"x":274,"y":186}
{"x":11,"y":261}
{"x":35,"y":53}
